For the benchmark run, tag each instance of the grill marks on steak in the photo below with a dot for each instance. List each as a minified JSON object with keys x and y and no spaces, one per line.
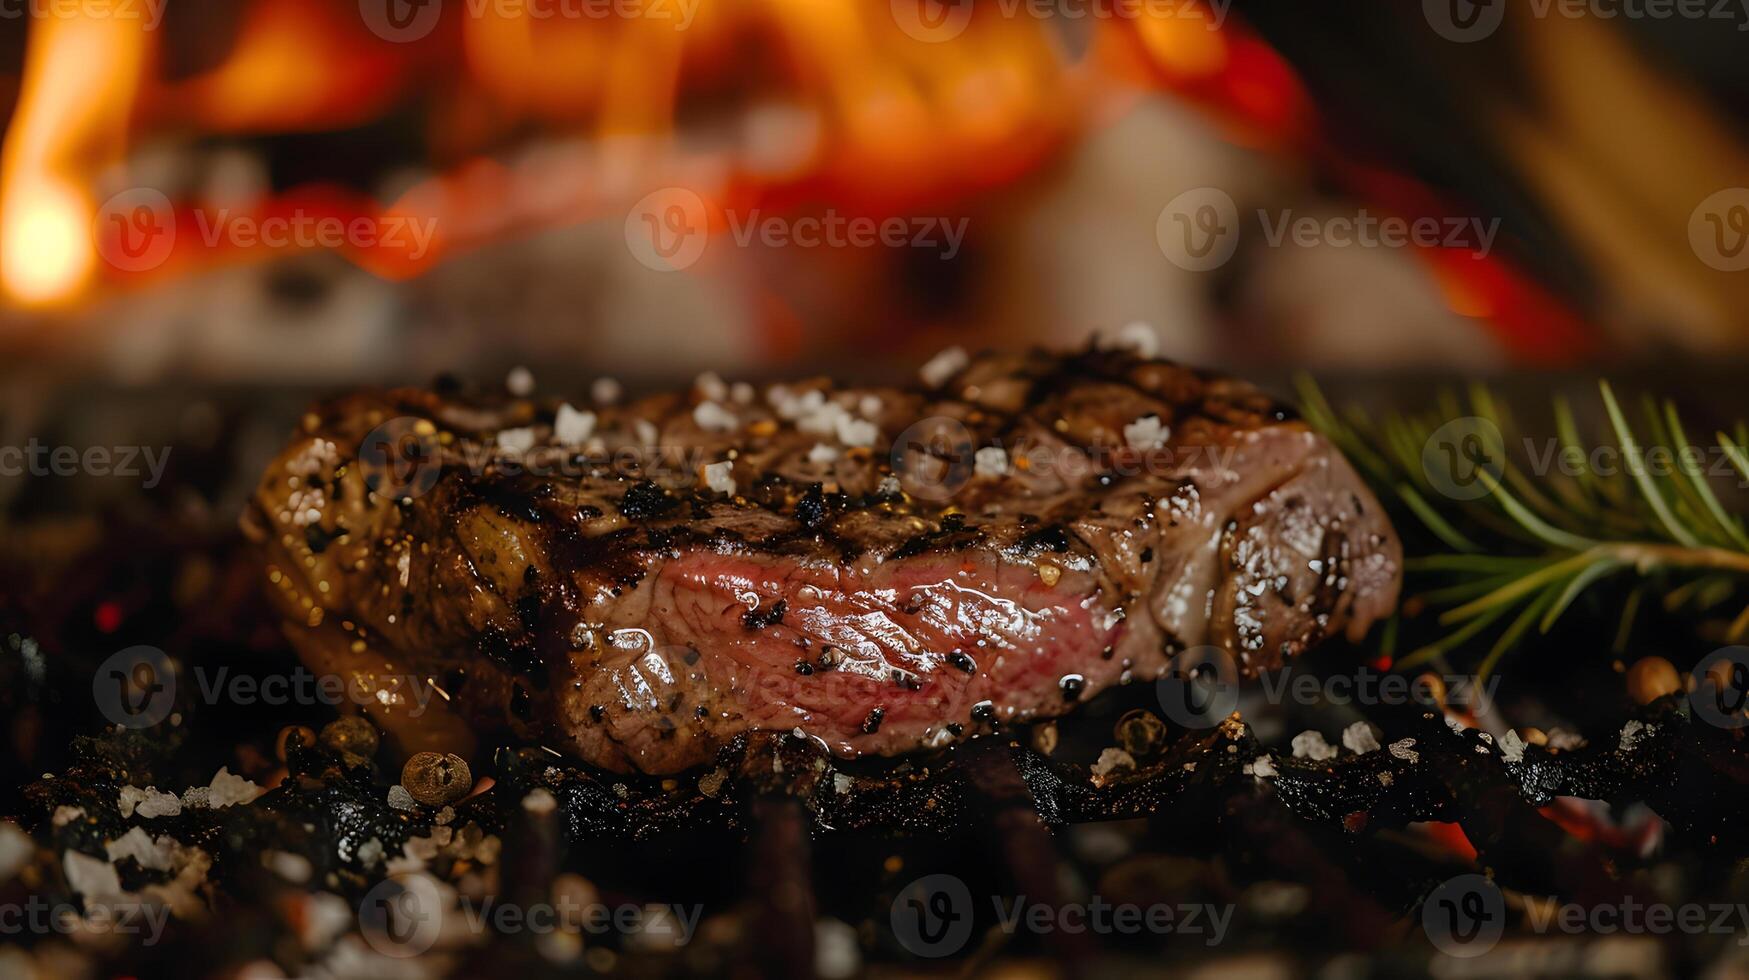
{"x":634,"y":617}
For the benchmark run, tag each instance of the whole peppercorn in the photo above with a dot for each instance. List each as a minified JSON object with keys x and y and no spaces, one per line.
{"x":1140,"y":732}
{"x":436,"y":780}
{"x":1651,"y":678}
{"x":305,"y":735}
{"x":350,"y":735}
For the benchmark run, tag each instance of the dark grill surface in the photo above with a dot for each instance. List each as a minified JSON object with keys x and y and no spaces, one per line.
{"x":797,"y":862}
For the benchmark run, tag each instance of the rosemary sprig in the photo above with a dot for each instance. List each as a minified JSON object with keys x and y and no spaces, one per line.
{"x":1526,"y":542}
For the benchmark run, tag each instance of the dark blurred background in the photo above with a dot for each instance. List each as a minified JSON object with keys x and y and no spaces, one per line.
{"x":474,"y":184}
{"x":213,"y":210}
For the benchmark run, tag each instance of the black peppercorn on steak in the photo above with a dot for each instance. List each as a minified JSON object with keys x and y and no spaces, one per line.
{"x":882,"y":569}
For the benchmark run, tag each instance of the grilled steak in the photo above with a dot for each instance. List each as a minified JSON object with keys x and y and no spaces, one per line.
{"x":880,"y":568}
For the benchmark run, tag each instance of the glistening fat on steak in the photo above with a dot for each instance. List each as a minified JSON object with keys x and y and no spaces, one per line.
{"x":637,"y":584}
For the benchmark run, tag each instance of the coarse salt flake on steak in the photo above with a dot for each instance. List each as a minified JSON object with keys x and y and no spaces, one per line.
{"x":883,"y":569}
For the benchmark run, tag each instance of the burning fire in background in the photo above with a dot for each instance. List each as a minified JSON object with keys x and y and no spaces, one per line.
{"x":499,"y":119}
{"x":830,"y":96}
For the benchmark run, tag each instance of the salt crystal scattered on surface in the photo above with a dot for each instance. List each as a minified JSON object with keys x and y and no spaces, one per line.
{"x":572,"y":427}
{"x":148,"y":802}
{"x":1359,"y":738}
{"x":137,"y":844}
{"x":1112,"y":760}
{"x":228,"y":790}
{"x":857,"y":432}
{"x":941,"y":368}
{"x":712,"y":417}
{"x":1139,"y":337}
{"x":1512,"y":746}
{"x":16,"y":849}
{"x":720,"y":477}
{"x":1147,"y":432}
{"x":712,"y":387}
{"x":1632,"y":733}
{"x":91,"y":878}
{"x":1310,"y":744}
{"x":990,"y":461}
{"x":401,"y":799}
{"x":516,"y":441}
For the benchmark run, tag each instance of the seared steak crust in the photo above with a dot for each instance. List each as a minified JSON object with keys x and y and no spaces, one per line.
{"x":639,"y":584}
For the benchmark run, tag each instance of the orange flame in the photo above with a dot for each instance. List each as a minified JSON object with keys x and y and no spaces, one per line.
{"x":75,"y":100}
